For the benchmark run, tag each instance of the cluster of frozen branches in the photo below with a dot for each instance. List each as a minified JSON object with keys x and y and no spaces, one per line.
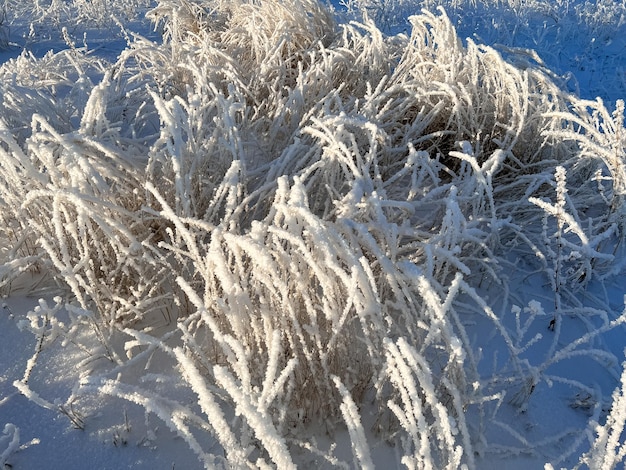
{"x":301,"y":221}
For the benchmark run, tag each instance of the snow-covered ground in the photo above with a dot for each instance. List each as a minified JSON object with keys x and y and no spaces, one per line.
{"x":216,"y":220}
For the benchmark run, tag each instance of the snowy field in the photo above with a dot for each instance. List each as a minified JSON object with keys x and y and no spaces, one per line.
{"x":280,"y":233}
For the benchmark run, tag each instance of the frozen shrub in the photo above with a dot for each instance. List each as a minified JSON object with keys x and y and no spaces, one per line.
{"x":307,"y":228}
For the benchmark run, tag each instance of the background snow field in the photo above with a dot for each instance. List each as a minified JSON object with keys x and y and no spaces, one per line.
{"x":283,"y":233}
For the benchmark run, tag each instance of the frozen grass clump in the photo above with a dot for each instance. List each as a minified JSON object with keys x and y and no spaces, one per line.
{"x":577,"y":40}
{"x":304,"y":233}
{"x":40,"y":25}
{"x":45,"y":13}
